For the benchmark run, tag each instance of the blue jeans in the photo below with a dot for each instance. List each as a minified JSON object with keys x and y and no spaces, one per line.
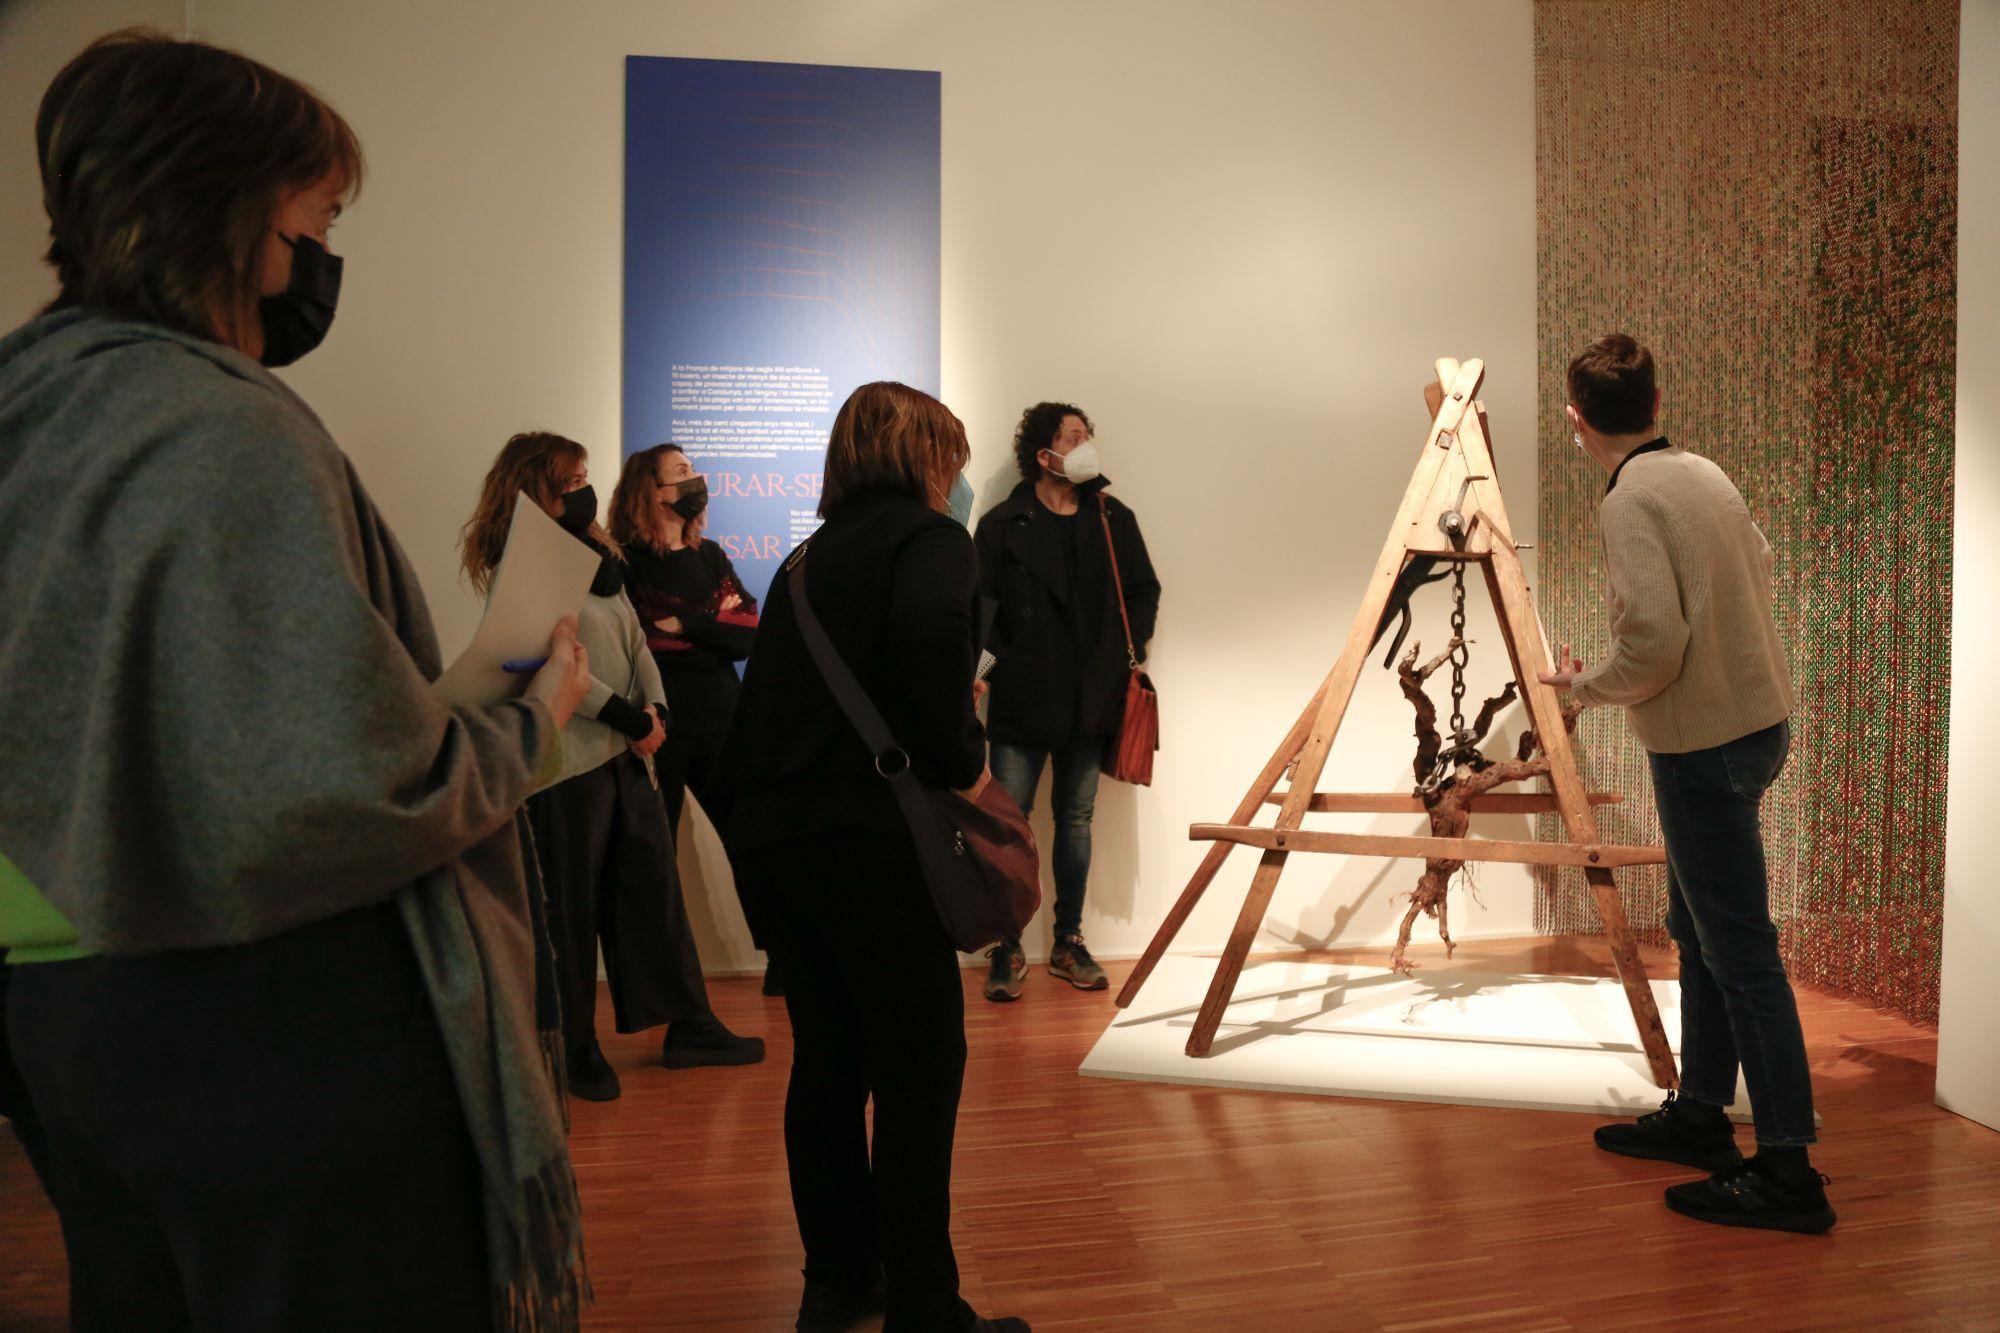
{"x":1736,"y":1002}
{"x":1073,"y":793}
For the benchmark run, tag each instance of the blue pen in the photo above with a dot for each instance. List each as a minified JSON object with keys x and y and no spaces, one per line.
{"x":524,"y":666}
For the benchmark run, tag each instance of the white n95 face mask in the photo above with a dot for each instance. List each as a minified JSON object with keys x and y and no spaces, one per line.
{"x":1079,"y":464}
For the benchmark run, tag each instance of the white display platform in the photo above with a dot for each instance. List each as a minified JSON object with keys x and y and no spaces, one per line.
{"x":1443,"y":1035}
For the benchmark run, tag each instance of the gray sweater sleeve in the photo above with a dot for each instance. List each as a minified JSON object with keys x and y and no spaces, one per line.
{"x":1649,"y":629}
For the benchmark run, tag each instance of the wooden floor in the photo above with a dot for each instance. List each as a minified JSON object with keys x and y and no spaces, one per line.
{"x":1093,"y":1204}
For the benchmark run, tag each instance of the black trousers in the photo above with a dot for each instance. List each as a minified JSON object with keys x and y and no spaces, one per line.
{"x":873,"y":990}
{"x":684,"y":763}
{"x":14,"y":1101}
{"x":607,"y":858}
{"x":258,"y":1137}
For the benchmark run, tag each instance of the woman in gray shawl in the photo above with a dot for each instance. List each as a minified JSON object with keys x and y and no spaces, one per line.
{"x":275,"y":942}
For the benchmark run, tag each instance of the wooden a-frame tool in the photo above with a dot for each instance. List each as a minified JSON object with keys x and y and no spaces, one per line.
{"x":1451,"y":511}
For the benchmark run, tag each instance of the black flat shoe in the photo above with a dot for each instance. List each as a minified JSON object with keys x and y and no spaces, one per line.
{"x":704,"y":1041}
{"x":826,"y":1308}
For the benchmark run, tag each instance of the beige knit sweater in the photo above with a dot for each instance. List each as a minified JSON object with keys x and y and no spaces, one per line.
{"x":1695,"y":658}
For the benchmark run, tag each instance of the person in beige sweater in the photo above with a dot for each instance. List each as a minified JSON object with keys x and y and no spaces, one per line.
{"x":601,"y":837}
{"x":1697,"y":665}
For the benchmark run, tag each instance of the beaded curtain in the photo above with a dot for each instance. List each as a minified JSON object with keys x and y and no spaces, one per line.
{"x":1765,"y":193}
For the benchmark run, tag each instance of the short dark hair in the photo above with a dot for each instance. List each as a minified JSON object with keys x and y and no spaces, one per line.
{"x":1611,"y":385}
{"x":163,"y":162}
{"x":890,"y":437}
{"x":1039,"y":427}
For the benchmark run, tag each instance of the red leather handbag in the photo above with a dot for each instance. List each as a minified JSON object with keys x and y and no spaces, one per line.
{"x":1130,"y":757}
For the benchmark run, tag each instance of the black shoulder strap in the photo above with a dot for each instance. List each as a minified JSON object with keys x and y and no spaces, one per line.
{"x":847,"y":691}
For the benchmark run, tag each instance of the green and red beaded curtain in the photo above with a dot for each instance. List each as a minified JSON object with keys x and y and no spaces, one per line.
{"x":1765,"y":193}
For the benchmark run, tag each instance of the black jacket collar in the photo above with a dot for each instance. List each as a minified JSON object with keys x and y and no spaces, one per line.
{"x":1650,"y":448}
{"x":1021,"y":502}
{"x":1031,"y":546}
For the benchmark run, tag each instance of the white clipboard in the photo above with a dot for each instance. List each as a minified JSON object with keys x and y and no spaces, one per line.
{"x":544,"y":575}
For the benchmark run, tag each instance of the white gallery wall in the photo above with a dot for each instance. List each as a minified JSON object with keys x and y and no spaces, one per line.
{"x":1968,"y":1058}
{"x":1238,"y":236}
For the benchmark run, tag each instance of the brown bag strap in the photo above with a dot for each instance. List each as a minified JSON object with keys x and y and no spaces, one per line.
{"x":1117,"y":582}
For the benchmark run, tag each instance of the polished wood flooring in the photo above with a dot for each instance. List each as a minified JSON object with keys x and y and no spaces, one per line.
{"x":1094,"y":1204}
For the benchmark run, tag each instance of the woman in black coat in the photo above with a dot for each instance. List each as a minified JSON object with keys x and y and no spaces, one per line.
{"x":828,"y":866}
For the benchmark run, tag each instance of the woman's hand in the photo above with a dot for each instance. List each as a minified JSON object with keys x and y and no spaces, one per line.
{"x":565,"y":678}
{"x":731,"y":602}
{"x":654,"y":738}
{"x":972,"y":793}
{"x":671,"y":625}
{"x":1562,"y":680}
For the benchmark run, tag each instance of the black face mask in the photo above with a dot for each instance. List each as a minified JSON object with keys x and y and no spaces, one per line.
{"x":296,"y":319}
{"x":693,"y":500}
{"x":579,"y":511}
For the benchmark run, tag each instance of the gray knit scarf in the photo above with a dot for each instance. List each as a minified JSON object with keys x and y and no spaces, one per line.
{"x":219,"y":661}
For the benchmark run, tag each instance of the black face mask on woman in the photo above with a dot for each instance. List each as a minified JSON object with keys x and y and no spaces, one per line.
{"x":579,"y":510}
{"x":693,"y":498}
{"x":296,"y":319}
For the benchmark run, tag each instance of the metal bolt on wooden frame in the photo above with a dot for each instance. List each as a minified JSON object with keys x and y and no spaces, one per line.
{"x":1451,"y":511}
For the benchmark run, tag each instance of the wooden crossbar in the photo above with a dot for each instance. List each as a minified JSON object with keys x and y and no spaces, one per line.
{"x":1608,"y":855}
{"x":1402,"y":803}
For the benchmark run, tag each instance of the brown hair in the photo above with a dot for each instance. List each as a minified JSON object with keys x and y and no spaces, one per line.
{"x":1611,"y":385}
{"x":635,"y":508}
{"x":888,"y":436}
{"x":163,"y":163}
{"x":536,"y":462}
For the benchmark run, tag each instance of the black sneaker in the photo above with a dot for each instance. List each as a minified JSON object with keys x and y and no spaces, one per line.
{"x":1006,"y":971}
{"x":1670,"y":1134}
{"x":704,"y":1041}
{"x":591,"y":1076}
{"x":826,"y":1308}
{"x":1073,"y":963}
{"x":1745,"y":1196}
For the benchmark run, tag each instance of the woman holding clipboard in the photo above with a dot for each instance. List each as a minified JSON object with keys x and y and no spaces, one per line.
{"x":606,"y":853}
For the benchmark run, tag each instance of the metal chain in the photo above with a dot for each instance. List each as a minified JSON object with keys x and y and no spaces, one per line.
{"x":1460,"y":656}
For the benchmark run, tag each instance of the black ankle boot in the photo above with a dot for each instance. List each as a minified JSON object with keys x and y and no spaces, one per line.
{"x":591,"y":1076}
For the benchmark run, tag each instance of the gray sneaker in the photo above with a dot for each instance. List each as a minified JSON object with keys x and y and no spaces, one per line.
{"x":1073,"y":963}
{"x":1005,"y":973}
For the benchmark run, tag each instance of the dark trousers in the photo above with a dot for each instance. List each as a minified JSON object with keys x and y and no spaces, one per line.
{"x":684,"y":763}
{"x":14,"y":1101}
{"x":258,"y":1137}
{"x":872,"y":987}
{"x":1073,"y":803}
{"x":1736,"y":1002}
{"x":607,"y":858}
